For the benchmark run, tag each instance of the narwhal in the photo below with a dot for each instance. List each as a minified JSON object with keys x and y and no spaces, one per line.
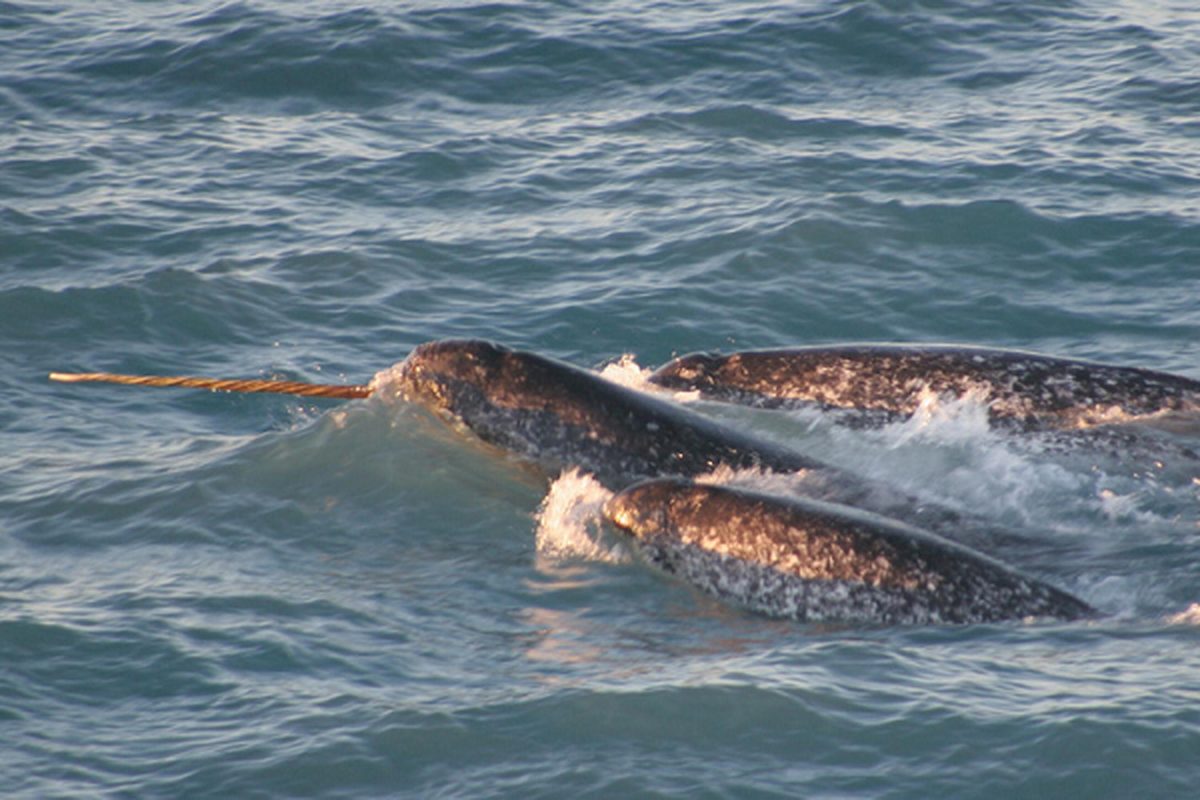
{"x":1023,"y":390}
{"x":810,"y":561}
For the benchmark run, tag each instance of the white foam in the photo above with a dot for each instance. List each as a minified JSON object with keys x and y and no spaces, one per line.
{"x":1122,"y":507}
{"x":570,"y":522}
{"x":626,"y":372}
{"x":382,"y":384}
{"x":947,"y":453}
{"x":945,"y":420}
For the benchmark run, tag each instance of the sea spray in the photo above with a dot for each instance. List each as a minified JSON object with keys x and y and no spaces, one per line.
{"x":570,"y":523}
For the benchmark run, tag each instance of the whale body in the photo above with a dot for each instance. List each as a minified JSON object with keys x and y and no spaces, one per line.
{"x":1025,"y":390}
{"x":818,"y":562}
{"x":557,"y":416}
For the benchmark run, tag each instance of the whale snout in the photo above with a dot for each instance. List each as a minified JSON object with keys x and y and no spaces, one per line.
{"x":645,"y":508}
{"x":432,"y":370}
{"x":623,"y":511}
{"x":619,"y":512}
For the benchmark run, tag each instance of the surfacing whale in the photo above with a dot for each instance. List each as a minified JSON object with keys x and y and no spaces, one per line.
{"x":559,"y":416}
{"x":818,"y":562}
{"x":1025,"y":390}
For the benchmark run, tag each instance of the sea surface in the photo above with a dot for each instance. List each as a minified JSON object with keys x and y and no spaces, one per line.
{"x":207,"y":595}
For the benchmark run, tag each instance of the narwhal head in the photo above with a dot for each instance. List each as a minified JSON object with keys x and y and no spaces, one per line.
{"x":560,"y":415}
{"x":530,"y":405}
{"x":437,"y":375}
{"x":647,"y":509}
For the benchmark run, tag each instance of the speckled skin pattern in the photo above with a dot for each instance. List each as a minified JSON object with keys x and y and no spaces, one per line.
{"x":819,"y":562}
{"x":559,"y":416}
{"x":1022,"y":389}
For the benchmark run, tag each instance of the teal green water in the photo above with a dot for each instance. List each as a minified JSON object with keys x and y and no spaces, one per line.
{"x":207,"y":595}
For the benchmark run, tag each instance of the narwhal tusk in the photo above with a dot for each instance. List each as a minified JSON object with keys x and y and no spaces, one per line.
{"x":300,"y":388}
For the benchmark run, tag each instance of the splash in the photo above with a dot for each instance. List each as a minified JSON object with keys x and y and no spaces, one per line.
{"x":570,"y":522}
{"x":949,"y":454}
{"x":384,"y":383}
{"x":1118,"y":507}
{"x":945,"y":420}
{"x":626,"y":372}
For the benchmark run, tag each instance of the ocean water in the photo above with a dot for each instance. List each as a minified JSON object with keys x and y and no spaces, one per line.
{"x":215,"y":595}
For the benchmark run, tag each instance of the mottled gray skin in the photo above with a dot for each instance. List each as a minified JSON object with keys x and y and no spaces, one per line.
{"x":819,"y":562}
{"x":559,"y":416}
{"x":1024,"y":390}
